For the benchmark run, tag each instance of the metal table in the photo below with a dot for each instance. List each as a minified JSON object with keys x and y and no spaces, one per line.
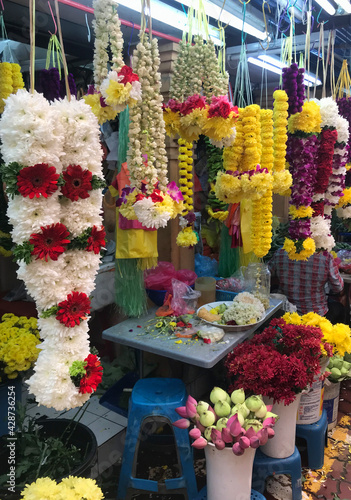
{"x":131,"y":333}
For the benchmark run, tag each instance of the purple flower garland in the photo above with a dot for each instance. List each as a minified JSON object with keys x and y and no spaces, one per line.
{"x":344,"y":105}
{"x":293,"y":79}
{"x":52,"y":87}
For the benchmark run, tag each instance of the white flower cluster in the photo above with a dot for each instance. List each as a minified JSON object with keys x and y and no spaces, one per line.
{"x":329,"y":112}
{"x":135,"y":92}
{"x":179,"y":88}
{"x":147,"y":129}
{"x":107,"y":27}
{"x":249,"y":298}
{"x":148,"y":214}
{"x":320,"y":232}
{"x":226,"y":142}
{"x":60,"y":134}
{"x":242,"y":313}
{"x":214,"y":83}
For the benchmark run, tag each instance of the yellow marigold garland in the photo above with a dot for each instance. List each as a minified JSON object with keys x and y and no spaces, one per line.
{"x":346,"y":199}
{"x":308,"y":248}
{"x":300,"y":212}
{"x":187,"y":237}
{"x":186,"y":183}
{"x":191,"y":125}
{"x":252,"y":137}
{"x":10,"y":81}
{"x":232,"y":155}
{"x":17,"y":78}
{"x":308,"y":121}
{"x":282,"y":178}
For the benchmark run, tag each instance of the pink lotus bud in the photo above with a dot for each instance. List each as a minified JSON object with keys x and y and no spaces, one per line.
{"x":271,"y":432}
{"x":237,"y":449}
{"x":235,"y":427}
{"x":215,"y":434}
{"x":190,"y":409}
{"x":182,"y":423}
{"x":200,"y":426}
{"x":226,"y":436}
{"x":244,"y":442}
{"x":212,"y":410}
{"x":269,"y":422}
{"x":263,"y":436}
{"x":269,"y":407}
{"x":254,"y":442}
{"x":182,"y":411}
{"x":220,"y":444}
{"x":231,"y":420}
{"x":191,"y":400}
{"x":199,"y":443}
{"x":195,"y":433}
{"x":250,"y":432}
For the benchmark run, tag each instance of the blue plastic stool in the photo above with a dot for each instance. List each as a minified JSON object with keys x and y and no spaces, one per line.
{"x":266,"y":466}
{"x":316,"y":437}
{"x":255,"y":495}
{"x":156,"y":399}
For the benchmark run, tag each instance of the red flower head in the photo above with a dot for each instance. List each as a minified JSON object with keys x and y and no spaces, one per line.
{"x":156,"y":196}
{"x":36,"y":181}
{"x":51,"y":242}
{"x":173,"y":105}
{"x":128,"y":75}
{"x":93,"y":376}
{"x":96,"y":240}
{"x":72,"y":310}
{"x":220,"y":106}
{"x":193,"y":102}
{"x":77,"y":183}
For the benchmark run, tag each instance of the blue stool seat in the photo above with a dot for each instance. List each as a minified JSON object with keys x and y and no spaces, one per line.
{"x":316,"y":437}
{"x":255,"y":495}
{"x":265,"y":466}
{"x":156,"y":399}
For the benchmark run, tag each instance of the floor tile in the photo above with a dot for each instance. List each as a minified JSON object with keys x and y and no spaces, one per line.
{"x":116,"y":418}
{"x":95,"y":407}
{"x":104,"y":430}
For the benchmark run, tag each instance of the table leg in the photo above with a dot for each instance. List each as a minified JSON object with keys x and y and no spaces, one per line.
{"x":139,"y":362}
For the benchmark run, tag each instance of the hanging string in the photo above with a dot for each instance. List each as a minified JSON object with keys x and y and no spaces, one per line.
{"x":32,"y":44}
{"x":54,"y":49}
{"x":320,"y":51}
{"x":307,"y":49}
{"x":265,"y":23}
{"x":325,"y":66}
{"x":148,"y":6}
{"x":130,"y":40}
{"x":65,"y":72}
{"x":343,"y":85}
{"x":332,"y":66}
{"x":88,"y":27}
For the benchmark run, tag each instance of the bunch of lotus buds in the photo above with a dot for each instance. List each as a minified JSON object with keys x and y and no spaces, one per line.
{"x":234,"y":421}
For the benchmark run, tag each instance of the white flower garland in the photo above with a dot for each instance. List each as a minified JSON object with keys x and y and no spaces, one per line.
{"x":63,"y":134}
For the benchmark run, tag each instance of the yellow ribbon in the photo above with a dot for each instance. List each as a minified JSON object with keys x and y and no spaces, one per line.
{"x":343,"y":84}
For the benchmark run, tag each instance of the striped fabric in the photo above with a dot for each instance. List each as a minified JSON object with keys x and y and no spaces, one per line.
{"x":303,"y":282}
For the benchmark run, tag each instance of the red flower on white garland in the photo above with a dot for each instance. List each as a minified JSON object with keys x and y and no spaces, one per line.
{"x":96,"y":240}
{"x":93,"y":376}
{"x":74,"y":309}
{"x":127,"y":75}
{"x":51,"y":242}
{"x":38,"y":180}
{"x":77,"y":182}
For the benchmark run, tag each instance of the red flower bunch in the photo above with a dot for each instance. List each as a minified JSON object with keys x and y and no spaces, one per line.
{"x":96,"y":240}
{"x":193,"y":102}
{"x":220,"y":106}
{"x":173,"y":105}
{"x":325,"y":159}
{"x":74,"y":309}
{"x":318,"y":208}
{"x":93,"y":376}
{"x":51,"y":242}
{"x":127,"y":75}
{"x":36,"y":181}
{"x":279,"y":362}
{"x":77,"y":182}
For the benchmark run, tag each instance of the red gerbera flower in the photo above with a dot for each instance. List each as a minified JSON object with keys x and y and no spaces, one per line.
{"x":93,"y":377}
{"x":77,"y":183}
{"x":96,"y":240}
{"x":156,"y":196}
{"x":72,"y":310}
{"x":128,"y":75}
{"x":51,"y":242}
{"x":36,"y":181}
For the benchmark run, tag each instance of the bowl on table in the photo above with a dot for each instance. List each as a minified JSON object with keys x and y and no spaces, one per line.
{"x":228,"y":328}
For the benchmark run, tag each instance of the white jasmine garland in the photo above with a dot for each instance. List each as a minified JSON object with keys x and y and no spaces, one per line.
{"x":320,"y":232}
{"x":342,"y":126}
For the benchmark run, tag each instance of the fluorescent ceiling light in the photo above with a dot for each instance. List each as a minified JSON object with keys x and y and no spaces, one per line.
{"x":327,"y":6}
{"x":308,"y":81}
{"x":169,"y":15}
{"x":345,"y":5}
{"x":215,"y":11}
{"x":280,"y":64}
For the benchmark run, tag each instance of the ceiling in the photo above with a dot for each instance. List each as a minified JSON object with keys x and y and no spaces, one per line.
{"x":77,"y":24}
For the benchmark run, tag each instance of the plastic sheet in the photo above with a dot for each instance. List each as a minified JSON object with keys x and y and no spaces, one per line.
{"x":160,"y":278}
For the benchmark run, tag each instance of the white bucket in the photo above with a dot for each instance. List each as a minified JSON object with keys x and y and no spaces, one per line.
{"x":331,"y":402}
{"x":283,"y":443}
{"x":228,"y":476}
{"x":311,"y":404}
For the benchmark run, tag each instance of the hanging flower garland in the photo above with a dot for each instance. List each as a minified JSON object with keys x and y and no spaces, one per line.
{"x":11,"y":80}
{"x":282,"y":179}
{"x":301,"y":155}
{"x":116,"y":89}
{"x":344,"y":105}
{"x":293,"y":78}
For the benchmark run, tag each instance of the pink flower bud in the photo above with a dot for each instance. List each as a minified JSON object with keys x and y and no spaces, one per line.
{"x":199,"y":443}
{"x":226,"y":436}
{"x":191,"y":400}
{"x":237,"y":449}
{"x":182,"y":423}
{"x":190,"y":409}
{"x":250,"y":432}
{"x":182,"y":411}
{"x":271,"y":432}
{"x":220,"y":444}
{"x":235,"y":427}
{"x":244,"y":442}
{"x":269,"y":422}
{"x":263,"y":436}
{"x":269,"y":407}
{"x":254,"y":442}
{"x":195,"y":433}
{"x":215,"y":434}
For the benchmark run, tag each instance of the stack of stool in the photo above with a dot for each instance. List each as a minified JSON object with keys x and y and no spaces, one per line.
{"x":316,"y":437}
{"x":265,"y":466}
{"x":156,"y":399}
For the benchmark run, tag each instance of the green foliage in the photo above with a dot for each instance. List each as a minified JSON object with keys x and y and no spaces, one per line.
{"x":279,"y":235}
{"x":81,"y":241}
{"x":97,"y":182}
{"x":49,"y":312}
{"x":9,"y":175}
{"x":23,"y":252}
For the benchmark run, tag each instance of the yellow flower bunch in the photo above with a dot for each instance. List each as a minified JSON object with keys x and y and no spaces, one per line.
{"x":10,"y":81}
{"x":346,"y":199}
{"x":17,"y":78}
{"x":219,"y":215}
{"x":282,"y":182}
{"x":228,"y":188}
{"x":187,"y":237}
{"x":185,"y":165}
{"x":308,"y":121}
{"x":118,"y":93}
{"x":169,"y":205}
{"x":127,"y":209}
{"x":308,"y":249}
{"x":280,"y":136}
{"x":172,"y":122}
{"x":266,"y":119}
{"x":252,"y":137}
{"x":217,"y":127}
{"x":102,"y":113}
{"x":338,"y":335}
{"x":261,"y":224}
{"x":191,"y":125}
{"x":19,"y":338}
{"x":232,"y":189}
{"x":232,"y":155}
{"x":70,"y":488}
{"x":300,"y":212}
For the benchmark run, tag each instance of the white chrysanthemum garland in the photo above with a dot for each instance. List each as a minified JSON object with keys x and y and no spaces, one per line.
{"x":118,"y":88}
{"x":51,"y":274}
{"x":152,"y":201}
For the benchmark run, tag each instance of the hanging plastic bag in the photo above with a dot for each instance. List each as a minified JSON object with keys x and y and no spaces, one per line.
{"x":205,"y":266}
{"x":184,"y":300}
